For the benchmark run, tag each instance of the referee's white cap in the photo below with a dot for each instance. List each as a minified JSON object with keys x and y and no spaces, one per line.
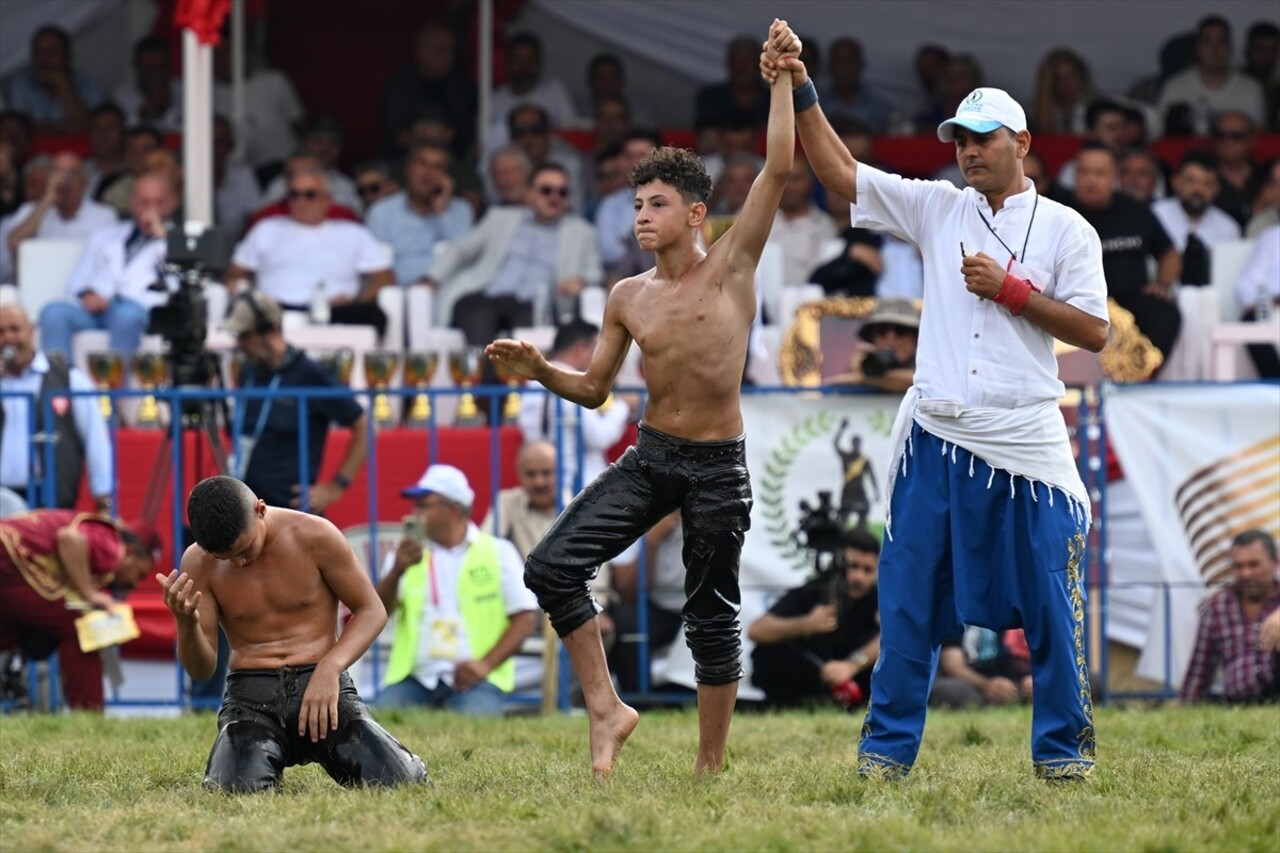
{"x":983,"y":111}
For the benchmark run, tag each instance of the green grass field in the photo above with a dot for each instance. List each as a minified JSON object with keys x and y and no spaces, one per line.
{"x":1170,"y":779}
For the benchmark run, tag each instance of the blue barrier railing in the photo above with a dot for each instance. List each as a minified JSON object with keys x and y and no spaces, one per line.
{"x":1091,"y":435}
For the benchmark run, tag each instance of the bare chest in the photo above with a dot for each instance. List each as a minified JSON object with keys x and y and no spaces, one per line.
{"x":688,"y":320}
{"x":266,"y":591}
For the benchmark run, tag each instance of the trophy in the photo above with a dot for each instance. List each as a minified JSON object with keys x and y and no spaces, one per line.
{"x":467,"y":367}
{"x":379,"y":367}
{"x":513,"y":381}
{"x":339,"y":362}
{"x":419,"y":367}
{"x":107,"y":370}
{"x":151,"y":370}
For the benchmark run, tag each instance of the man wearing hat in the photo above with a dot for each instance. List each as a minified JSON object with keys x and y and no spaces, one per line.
{"x":886,"y":358}
{"x":459,"y":602}
{"x":267,"y":429}
{"x":990,"y":511}
{"x":55,"y":564}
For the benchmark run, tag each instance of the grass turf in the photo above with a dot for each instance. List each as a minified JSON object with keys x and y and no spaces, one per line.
{"x":1169,"y":779}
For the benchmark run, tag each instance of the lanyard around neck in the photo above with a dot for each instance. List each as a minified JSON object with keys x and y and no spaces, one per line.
{"x":1012,"y":257}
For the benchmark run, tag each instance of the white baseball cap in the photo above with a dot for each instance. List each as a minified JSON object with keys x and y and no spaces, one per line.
{"x":443,"y":480}
{"x":983,"y":111}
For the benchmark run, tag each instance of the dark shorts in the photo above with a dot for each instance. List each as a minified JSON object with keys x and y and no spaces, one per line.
{"x":258,"y":736}
{"x":708,"y":482}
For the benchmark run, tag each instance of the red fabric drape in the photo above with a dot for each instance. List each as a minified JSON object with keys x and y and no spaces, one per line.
{"x":204,"y":17}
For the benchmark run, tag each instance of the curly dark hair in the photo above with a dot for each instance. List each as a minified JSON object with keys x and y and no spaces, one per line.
{"x":220,"y":510}
{"x":679,"y":167}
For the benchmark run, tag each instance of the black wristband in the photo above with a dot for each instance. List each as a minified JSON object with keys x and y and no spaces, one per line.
{"x":342,"y":481}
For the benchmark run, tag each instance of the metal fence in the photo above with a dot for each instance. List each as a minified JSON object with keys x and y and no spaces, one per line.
{"x":1090,"y":432}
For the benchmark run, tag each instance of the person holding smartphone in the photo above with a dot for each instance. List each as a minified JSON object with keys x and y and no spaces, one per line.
{"x":458,"y":599}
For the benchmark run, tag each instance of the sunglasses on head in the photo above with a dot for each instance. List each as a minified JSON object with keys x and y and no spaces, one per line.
{"x":309,"y":195}
{"x":369,"y":188}
{"x":527,"y":130}
{"x":1231,"y":135}
{"x":563,"y":192}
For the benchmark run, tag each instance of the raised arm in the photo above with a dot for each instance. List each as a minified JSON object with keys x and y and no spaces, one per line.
{"x":830,"y":159}
{"x":747,"y":237}
{"x":587,"y":388}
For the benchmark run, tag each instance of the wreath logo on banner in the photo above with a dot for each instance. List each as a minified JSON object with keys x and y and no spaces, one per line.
{"x":773,"y":492}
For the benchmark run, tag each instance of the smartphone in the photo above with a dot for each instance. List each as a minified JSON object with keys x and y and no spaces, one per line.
{"x":414,"y":528}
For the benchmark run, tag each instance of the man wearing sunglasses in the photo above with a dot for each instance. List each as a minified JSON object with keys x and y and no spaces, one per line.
{"x":291,"y":258}
{"x":521,"y":266}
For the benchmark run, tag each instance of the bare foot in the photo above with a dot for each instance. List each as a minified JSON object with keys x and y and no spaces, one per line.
{"x":708,"y":766}
{"x":608,"y":734}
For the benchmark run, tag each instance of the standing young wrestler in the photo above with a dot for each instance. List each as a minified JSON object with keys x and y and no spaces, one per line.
{"x":273,"y":577}
{"x":990,"y":511}
{"x":690,"y":316}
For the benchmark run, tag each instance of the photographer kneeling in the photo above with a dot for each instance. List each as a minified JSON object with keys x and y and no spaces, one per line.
{"x":817,"y":644}
{"x":886,"y":357}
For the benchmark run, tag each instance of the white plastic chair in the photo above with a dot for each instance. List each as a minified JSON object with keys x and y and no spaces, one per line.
{"x":44,"y":265}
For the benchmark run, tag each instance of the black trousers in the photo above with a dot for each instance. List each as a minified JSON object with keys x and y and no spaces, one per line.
{"x":708,"y":482}
{"x":258,"y":737}
{"x":481,"y":318}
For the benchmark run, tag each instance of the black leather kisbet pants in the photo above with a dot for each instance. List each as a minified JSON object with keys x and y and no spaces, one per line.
{"x":708,"y":482}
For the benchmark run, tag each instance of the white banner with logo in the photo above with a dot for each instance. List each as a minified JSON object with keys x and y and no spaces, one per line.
{"x":1204,"y":464}
{"x":799,"y":446}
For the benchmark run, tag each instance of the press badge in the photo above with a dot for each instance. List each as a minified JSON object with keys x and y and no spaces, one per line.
{"x":444,"y":638}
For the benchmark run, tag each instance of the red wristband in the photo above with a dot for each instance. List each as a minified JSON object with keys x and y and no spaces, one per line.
{"x":1014,"y":294}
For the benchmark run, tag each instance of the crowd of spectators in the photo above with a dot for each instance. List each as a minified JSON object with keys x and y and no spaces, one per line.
{"x":510,"y":233}
{"x":513,"y":232}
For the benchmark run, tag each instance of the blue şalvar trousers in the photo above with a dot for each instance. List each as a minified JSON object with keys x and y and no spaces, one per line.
{"x":974,"y":545}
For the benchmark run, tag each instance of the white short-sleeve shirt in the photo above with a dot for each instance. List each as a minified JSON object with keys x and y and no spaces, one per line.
{"x":289,"y":258}
{"x":973,"y":351}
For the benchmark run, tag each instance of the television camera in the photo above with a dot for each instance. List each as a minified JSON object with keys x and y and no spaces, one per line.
{"x":193,"y":254}
{"x":821,"y":530}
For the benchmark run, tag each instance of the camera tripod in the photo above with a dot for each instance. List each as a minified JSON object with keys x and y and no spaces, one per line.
{"x":195,"y":415}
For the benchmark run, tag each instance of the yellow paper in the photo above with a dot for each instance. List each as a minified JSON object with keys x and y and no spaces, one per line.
{"x":99,"y":629}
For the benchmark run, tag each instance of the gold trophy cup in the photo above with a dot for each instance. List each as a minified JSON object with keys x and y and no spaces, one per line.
{"x":339,"y":362}
{"x":379,"y":367}
{"x":151,"y":370}
{"x":467,"y":369}
{"x":107,"y":370}
{"x":419,"y":368}
{"x":513,"y":381}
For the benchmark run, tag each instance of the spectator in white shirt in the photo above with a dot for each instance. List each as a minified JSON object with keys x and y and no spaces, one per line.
{"x":1190,"y":100}
{"x":110,"y":287}
{"x":273,"y":112}
{"x":1195,"y":226}
{"x":1258,"y":291}
{"x":526,"y":85}
{"x":62,"y":212}
{"x":800,"y":229}
{"x":302,"y":258}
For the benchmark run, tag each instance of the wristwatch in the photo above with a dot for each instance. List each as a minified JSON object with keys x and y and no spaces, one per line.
{"x":859,"y":659}
{"x":342,"y":481}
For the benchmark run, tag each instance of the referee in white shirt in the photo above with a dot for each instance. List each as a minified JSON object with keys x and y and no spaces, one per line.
{"x":982,"y":476}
